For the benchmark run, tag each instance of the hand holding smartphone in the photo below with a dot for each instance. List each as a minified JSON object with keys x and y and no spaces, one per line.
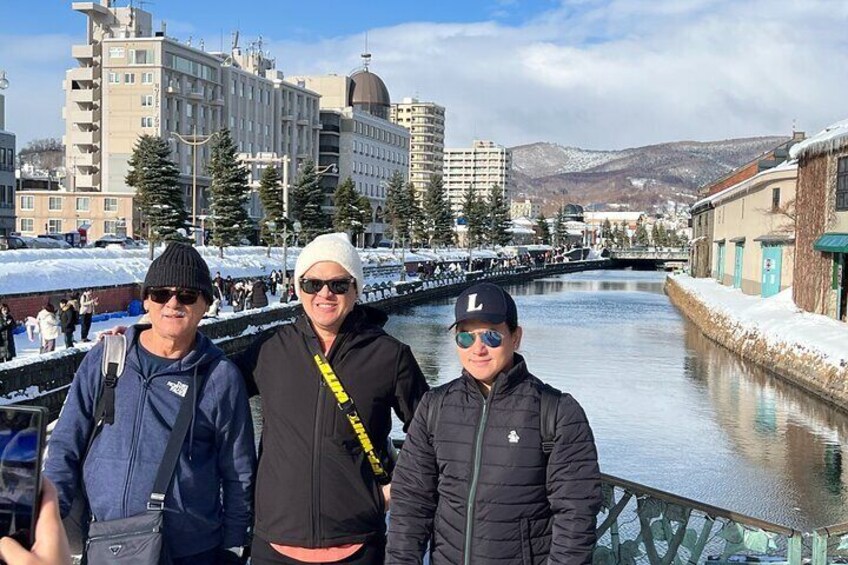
{"x":51,"y":542}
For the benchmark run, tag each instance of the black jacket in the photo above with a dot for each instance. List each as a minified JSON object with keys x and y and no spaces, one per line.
{"x":314,"y":486}
{"x":68,"y":319}
{"x":7,"y":338}
{"x":522,"y":511}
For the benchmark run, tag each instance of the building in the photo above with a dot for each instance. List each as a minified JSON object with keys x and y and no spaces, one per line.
{"x":426,"y":124}
{"x":754,"y":232}
{"x":526,"y":209}
{"x":358,"y":138}
{"x":133,"y":81}
{"x":702,"y":218}
{"x":480,"y":167}
{"x":821,"y":215}
{"x":7,"y":168}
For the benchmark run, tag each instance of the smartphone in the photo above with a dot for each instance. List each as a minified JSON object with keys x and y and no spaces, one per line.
{"x":22,"y":437}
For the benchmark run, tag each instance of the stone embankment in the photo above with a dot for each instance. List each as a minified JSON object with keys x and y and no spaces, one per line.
{"x":796,"y":362}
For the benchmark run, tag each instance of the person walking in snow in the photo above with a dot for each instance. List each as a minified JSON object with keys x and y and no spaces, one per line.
{"x":48,"y":327}
{"x":88,"y":302}
{"x":68,"y":321}
{"x":7,"y":337}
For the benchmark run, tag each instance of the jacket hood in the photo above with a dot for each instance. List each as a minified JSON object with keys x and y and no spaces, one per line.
{"x":204,"y":351}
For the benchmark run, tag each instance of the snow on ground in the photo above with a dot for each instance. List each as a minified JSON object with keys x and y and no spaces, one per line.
{"x":777,"y":319}
{"x":45,"y":270}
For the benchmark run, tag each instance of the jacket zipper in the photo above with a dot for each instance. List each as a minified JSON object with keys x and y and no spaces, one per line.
{"x":316,"y":466}
{"x":472,"y":492}
{"x":139,"y":412}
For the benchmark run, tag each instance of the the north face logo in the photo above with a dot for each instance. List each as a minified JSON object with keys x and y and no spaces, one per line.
{"x":180,"y":389}
{"x":116,"y":549}
{"x":513,"y":437}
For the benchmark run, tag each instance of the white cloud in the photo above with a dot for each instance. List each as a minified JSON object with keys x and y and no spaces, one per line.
{"x":594,"y":73}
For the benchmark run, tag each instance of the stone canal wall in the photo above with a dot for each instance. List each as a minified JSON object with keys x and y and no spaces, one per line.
{"x":791,"y":362}
{"x":45,"y":380}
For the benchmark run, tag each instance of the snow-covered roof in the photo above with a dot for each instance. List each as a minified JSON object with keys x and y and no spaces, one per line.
{"x":832,"y":138}
{"x":788,"y":165}
{"x":612,"y":216}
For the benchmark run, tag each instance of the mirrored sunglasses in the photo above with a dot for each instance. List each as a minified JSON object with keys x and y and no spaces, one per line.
{"x":185,"y":296}
{"x":490,"y":338}
{"x":336,"y":286}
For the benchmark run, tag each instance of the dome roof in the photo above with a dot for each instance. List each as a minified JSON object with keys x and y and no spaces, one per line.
{"x":367,"y":89}
{"x":573,"y":210}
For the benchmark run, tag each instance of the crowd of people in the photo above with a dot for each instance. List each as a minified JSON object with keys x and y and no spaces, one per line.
{"x":488,"y":473}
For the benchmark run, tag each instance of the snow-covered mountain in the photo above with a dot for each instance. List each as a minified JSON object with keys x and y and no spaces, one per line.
{"x":639,"y":177}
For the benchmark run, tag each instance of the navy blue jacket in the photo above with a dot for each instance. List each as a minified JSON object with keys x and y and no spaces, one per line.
{"x":216,"y":465}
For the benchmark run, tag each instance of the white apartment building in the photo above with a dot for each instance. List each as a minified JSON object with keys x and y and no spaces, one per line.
{"x":133,"y":81}
{"x":480,"y":166}
{"x":7,"y":171}
{"x":525,"y":209}
{"x":426,"y":124}
{"x":359,"y":139}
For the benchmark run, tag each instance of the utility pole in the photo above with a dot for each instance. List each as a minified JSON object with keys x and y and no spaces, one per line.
{"x":194,"y":141}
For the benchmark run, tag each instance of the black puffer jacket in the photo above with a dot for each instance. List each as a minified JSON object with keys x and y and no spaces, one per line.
{"x":314,"y":487}
{"x":489,"y":450}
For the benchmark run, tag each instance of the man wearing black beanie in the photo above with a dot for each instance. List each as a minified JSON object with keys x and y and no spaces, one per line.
{"x":208,"y":507}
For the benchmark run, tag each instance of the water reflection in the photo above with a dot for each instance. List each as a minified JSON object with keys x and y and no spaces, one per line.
{"x":669,"y":408}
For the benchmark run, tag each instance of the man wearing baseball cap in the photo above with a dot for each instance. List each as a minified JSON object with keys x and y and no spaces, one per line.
{"x":497,"y":466}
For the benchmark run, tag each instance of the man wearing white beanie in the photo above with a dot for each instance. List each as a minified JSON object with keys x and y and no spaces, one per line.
{"x":321,"y":494}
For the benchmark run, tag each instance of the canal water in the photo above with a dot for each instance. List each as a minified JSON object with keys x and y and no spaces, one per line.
{"x":669,"y":408}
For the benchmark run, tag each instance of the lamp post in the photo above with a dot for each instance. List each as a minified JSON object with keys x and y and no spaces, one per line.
{"x":194,"y":141}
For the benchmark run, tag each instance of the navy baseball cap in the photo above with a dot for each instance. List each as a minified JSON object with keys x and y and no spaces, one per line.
{"x":486,"y":302}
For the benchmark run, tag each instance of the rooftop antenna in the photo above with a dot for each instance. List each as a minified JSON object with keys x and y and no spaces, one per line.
{"x":202,"y":45}
{"x":793,"y":127}
{"x":366,"y":56}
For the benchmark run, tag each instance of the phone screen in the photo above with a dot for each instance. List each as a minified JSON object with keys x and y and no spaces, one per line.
{"x":21,"y":431}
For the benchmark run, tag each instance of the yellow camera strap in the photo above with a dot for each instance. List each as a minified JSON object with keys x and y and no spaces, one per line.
{"x":348,"y":408}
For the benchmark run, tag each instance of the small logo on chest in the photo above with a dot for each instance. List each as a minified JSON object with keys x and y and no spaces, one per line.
{"x":178,"y":388}
{"x":513,"y":437}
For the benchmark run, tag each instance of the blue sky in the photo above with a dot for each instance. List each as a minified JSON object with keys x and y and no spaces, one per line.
{"x":601,"y":74}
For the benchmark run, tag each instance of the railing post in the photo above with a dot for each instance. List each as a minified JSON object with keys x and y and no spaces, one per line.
{"x":819,"y":556}
{"x":793,"y":550}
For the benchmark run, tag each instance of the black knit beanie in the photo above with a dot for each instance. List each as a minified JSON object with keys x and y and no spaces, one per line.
{"x":179,"y":266}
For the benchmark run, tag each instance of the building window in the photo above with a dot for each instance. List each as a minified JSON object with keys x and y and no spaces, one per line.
{"x":54,"y":203}
{"x":27,"y":202}
{"x":775,"y":199}
{"x":82,"y":204}
{"x":141,"y":56}
{"x":110,"y":204}
{"x":54,"y":225}
{"x":113,"y":78}
{"x":842,"y":185}
{"x":147,"y":122}
{"x":27,"y":225}
{"x":146,"y":78}
{"x":129,"y":78}
{"x":116,"y":53}
{"x":110,"y":226}
{"x":147,"y":100}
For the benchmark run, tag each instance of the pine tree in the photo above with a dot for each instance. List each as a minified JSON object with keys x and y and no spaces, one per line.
{"x":417,"y":231}
{"x":228,"y":194}
{"x":606,"y":230}
{"x":438,"y":219}
{"x":271,"y":196}
{"x":624,"y":235}
{"x":159,"y":196}
{"x":561,"y":228}
{"x":498,"y":228}
{"x":544,"y":229}
{"x":474,"y":212}
{"x":558,"y":225}
{"x":352,"y":210}
{"x":307,"y":202}
{"x":642,"y":237}
{"x":397,"y":207}
{"x":655,"y":234}
{"x":615,"y":236}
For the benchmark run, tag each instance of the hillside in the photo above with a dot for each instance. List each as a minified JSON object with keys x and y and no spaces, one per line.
{"x":638,"y":178}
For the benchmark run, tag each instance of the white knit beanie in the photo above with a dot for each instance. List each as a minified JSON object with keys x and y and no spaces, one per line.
{"x":333,"y":247}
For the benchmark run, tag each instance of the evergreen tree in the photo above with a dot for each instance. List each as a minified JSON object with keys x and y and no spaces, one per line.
{"x":438,"y":220}
{"x":271,"y":196}
{"x":606,"y":230}
{"x":615,"y":237}
{"x":544,"y":229}
{"x":352,"y":210}
{"x":662,"y":235}
{"x":159,"y":196}
{"x":307,"y":202}
{"x":475,"y":214}
{"x":397,"y":207}
{"x":641,"y":233}
{"x":417,"y":231}
{"x":558,"y":228}
{"x":228,"y":194}
{"x":561,"y":228}
{"x":499,"y":224}
{"x":624,"y":235}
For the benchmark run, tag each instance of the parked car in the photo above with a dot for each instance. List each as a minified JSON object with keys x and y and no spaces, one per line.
{"x":11,"y":242}
{"x":125,"y":242}
{"x":54,"y":241}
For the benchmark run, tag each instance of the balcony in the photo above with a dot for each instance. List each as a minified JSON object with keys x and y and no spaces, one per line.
{"x":84,"y":96}
{"x":86,"y":160}
{"x":303,"y":122}
{"x":83,"y":53}
{"x":287,"y":117}
{"x":86,"y":138}
{"x":82,"y":74}
{"x":195,"y":95}
{"x":85,"y":116}
{"x":88,"y":181}
{"x":218,"y":101}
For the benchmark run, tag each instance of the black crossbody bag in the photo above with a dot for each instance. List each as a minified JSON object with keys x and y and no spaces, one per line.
{"x":138,"y":540}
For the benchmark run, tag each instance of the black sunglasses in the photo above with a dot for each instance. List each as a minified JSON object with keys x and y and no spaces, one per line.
{"x":490,"y":338}
{"x":185,"y":296}
{"x":336,"y":286}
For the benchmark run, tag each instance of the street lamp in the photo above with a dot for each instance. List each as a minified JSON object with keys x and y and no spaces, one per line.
{"x":194,"y":141}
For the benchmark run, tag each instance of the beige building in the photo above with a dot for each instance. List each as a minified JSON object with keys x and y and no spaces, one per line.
{"x":481,"y":166}
{"x":50,"y":211}
{"x":133,"y":81}
{"x":526,"y":209}
{"x":754,"y":233}
{"x":426,"y":124}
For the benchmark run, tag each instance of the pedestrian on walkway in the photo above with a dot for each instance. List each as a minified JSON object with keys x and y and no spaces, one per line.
{"x":477,"y":479}
{"x":7,"y":336}
{"x":68,"y":320}
{"x":322,"y":490}
{"x":48,"y":327}
{"x":88,"y":304}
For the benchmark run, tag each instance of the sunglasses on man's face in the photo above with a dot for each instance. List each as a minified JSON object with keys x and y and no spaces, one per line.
{"x":336,"y":286}
{"x":490,"y":338}
{"x":185,"y":296}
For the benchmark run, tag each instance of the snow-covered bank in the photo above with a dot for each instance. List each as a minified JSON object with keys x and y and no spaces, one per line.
{"x":809,"y":350}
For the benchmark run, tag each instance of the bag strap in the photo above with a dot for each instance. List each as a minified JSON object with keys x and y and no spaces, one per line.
{"x":434,"y":409}
{"x":174,"y":447}
{"x":348,"y":408}
{"x":112,"y":367}
{"x":548,"y":418}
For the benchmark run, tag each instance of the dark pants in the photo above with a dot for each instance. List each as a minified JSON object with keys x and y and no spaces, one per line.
{"x":211,"y":557}
{"x":86,"y":325}
{"x":69,"y":339}
{"x":372,"y":553}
